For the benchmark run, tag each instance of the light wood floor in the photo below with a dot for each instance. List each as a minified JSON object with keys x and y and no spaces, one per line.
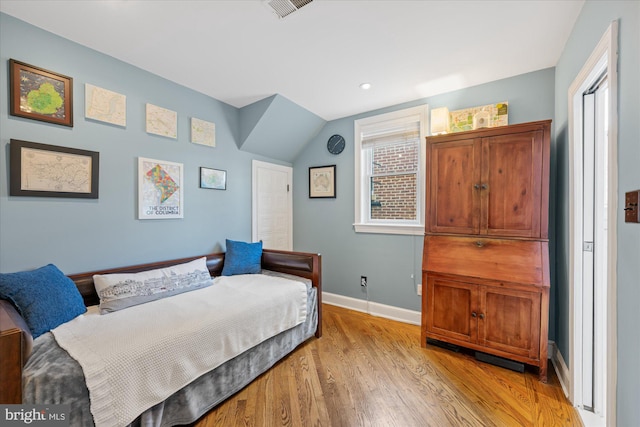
{"x":369,"y":371}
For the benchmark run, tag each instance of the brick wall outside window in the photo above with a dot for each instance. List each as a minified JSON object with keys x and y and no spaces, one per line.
{"x":394,"y":186}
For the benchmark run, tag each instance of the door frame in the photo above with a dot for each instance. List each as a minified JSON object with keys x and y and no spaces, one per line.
{"x":603,"y":59}
{"x":255,"y":164}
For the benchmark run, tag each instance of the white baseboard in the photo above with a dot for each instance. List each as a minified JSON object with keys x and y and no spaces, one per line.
{"x":373,"y":308}
{"x":560,"y":367}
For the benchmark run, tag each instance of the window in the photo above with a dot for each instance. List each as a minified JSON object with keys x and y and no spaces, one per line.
{"x":389,"y":172}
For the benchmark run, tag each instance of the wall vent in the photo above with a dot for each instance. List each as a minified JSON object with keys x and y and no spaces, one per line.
{"x":283,"y":8}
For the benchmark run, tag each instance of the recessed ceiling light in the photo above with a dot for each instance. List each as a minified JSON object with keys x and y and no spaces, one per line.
{"x":365,"y":86}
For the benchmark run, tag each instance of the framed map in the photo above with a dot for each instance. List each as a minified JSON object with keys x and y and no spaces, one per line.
{"x":161,"y":121}
{"x":203,"y":132}
{"x":51,"y":171}
{"x":105,"y":105}
{"x":214,"y":179}
{"x":322,"y":182}
{"x":160,"y":193}
{"x":40,"y":94}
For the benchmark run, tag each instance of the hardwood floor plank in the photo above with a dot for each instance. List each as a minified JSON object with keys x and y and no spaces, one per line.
{"x":250,"y":396}
{"x":549,"y":404}
{"x":370,"y":371}
{"x":496,"y":403}
{"x":445,"y":409}
{"x":312,"y":410}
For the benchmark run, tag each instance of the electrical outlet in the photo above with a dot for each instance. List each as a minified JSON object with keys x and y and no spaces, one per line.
{"x":419,"y":288}
{"x":363,"y":281}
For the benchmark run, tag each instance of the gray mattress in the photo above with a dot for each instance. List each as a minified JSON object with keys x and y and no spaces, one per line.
{"x":51,"y":376}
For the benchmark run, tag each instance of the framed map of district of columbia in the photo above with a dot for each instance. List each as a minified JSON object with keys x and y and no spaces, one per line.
{"x":160,"y":193}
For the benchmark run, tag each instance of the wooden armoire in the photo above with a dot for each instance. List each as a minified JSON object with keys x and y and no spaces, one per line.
{"x":485,"y":264}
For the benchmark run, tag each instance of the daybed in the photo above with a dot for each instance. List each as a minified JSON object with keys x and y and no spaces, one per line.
{"x":41,"y":372}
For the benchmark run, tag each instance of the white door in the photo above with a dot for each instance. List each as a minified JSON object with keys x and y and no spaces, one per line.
{"x":592,"y":212}
{"x":588,"y":188}
{"x":595,"y":246}
{"x":272,"y":205}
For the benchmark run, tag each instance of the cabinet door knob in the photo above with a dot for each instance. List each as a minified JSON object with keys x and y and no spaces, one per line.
{"x":481,"y":315}
{"x":476,"y":186}
{"x":484,"y":186}
{"x":474,"y":314}
{"x":479,"y":243}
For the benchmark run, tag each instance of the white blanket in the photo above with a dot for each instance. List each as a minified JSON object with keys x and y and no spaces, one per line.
{"x":137,"y":357}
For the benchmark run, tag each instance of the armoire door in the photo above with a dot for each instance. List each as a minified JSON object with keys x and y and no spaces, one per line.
{"x":452,"y":309}
{"x":511,"y":179}
{"x":454,"y":174}
{"x":510,"y":321}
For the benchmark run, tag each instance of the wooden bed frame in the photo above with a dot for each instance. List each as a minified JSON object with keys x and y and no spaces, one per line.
{"x":15,"y":338}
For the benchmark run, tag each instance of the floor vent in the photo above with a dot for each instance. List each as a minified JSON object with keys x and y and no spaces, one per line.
{"x":283,"y":8}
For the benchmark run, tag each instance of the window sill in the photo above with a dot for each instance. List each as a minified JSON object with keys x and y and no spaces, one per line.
{"x":405,"y":229}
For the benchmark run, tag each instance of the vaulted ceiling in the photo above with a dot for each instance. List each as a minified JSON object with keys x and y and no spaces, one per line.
{"x":240,"y":52}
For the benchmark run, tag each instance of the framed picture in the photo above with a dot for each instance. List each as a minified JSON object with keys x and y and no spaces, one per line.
{"x":105,"y":105}
{"x":44,"y":170}
{"x":203,"y":132}
{"x":161,"y":121}
{"x":40,"y":94}
{"x":322,"y":182}
{"x":160,"y":189}
{"x":214,"y":179}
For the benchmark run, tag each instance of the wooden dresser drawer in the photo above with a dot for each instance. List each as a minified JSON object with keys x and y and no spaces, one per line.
{"x":517,"y":261}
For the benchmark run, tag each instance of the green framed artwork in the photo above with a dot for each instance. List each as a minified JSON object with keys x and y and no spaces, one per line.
{"x":40,"y":94}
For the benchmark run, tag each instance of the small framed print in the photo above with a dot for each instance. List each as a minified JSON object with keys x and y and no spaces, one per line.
{"x":104,"y":105}
{"x":161,"y":121}
{"x":203,"y":132}
{"x":213,"y":179}
{"x":45,"y":170}
{"x":40,"y":94}
{"x":322,"y":182}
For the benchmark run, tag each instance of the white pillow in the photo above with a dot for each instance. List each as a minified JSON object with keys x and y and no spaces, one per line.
{"x":118,"y":290}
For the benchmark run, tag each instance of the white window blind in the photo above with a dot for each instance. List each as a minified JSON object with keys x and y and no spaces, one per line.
{"x":410,"y":132}
{"x":389,"y":167}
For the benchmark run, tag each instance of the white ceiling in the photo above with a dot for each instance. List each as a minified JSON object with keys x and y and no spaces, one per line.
{"x":239,"y":51}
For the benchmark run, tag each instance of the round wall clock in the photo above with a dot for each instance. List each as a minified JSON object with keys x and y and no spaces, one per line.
{"x":335,"y":144}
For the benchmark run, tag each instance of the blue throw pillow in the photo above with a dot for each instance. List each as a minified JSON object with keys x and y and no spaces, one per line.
{"x":45,"y":297}
{"x":242,"y":258}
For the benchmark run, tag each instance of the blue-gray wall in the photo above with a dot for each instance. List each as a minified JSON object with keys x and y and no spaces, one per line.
{"x":389,"y":261}
{"x":593,"y":21}
{"x":81,"y":235}
{"x":277,"y":127}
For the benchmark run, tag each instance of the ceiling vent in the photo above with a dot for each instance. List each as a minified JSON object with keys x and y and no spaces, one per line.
{"x":283,"y":8}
